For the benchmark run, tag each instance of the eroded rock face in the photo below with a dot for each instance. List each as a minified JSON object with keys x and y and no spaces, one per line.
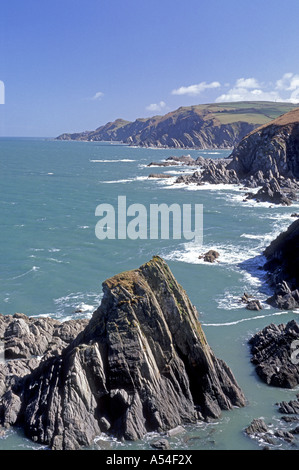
{"x":282,"y":265}
{"x":272,"y":350}
{"x":141,"y":364}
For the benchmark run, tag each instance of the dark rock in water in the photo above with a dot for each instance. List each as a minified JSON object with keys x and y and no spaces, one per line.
{"x":254,"y":305}
{"x":295,"y":215}
{"x":290,"y":419}
{"x":259,"y":430}
{"x":289,"y":408}
{"x":186,"y":159}
{"x":273,"y":193}
{"x":257,"y":426}
{"x":251,"y":304}
{"x":141,"y":364}
{"x":271,"y":351}
{"x":245,"y":298}
{"x":287,"y":436}
{"x":171,"y":163}
{"x":217,"y":173}
{"x":159,"y":175}
{"x":210,"y":256}
{"x":161,"y":444}
{"x":282,"y":265}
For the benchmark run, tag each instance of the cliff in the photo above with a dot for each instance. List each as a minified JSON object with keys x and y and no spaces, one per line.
{"x":220,"y":125}
{"x":272,"y":149}
{"x":141,"y":364}
{"x":282,"y":265}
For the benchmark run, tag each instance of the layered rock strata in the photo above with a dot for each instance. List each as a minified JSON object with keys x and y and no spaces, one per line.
{"x":141,"y":364}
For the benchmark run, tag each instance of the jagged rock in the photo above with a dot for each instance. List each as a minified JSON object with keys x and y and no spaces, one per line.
{"x":272,"y":192}
{"x":270,"y":148}
{"x":142,"y":363}
{"x":161,"y":444}
{"x":271,"y":351}
{"x":290,"y":419}
{"x":286,"y":435}
{"x":257,"y":426}
{"x":282,"y":265}
{"x":254,"y":305}
{"x":26,"y":337}
{"x":210,"y":256}
{"x":289,"y":408}
{"x":251,"y":304}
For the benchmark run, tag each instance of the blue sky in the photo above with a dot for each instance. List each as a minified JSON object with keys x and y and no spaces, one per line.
{"x":72,"y":65}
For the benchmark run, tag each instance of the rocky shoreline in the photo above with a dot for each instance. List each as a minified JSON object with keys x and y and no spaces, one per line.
{"x":141,"y":364}
{"x":265,"y":160}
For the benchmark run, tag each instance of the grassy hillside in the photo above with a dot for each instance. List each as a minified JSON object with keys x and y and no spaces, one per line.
{"x":216,"y":125}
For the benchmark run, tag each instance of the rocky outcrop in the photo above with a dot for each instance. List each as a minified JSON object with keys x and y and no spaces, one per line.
{"x":141,"y":364}
{"x":267,"y":159}
{"x":273,"y":148}
{"x":273,"y":193}
{"x":159,"y":176}
{"x":220,"y":125}
{"x":271,"y":351}
{"x":282,"y":265}
{"x":260,"y":431}
{"x":210,"y":257}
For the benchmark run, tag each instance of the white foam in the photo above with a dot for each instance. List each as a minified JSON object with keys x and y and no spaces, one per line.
{"x":113,"y":161}
{"x":76,"y":304}
{"x":258,"y":317}
{"x":252,"y":237}
{"x":128,"y":180}
{"x":33,"y":269}
{"x":229,"y":253}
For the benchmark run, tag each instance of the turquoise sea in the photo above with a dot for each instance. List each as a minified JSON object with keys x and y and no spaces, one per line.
{"x":52,"y":264}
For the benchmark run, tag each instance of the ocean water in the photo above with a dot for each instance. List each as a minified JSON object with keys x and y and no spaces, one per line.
{"x":52,"y":263}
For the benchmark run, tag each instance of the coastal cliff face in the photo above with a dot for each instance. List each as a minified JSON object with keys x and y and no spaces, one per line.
{"x":266,"y":159}
{"x":282,"y":265}
{"x":141,"y":364}
{"x":209,"y":126}
{"x":272,"y":149}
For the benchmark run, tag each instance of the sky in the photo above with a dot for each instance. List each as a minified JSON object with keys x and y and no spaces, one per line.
{"x":74,"y":65}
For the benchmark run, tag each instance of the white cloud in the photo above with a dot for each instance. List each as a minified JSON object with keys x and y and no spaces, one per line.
{"x":194,"y":90}
{"x":286,"y":89}
{"x":247,"y":83}
{"x":248,"y":89}
{"x":289,"y":82}
{"x":97,"y":96}
{"x":156,"y":106}
{"x":2,"y":92}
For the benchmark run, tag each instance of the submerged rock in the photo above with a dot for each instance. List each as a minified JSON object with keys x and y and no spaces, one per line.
{"x":141,"y":364}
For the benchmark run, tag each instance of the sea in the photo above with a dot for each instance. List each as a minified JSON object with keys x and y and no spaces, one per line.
{"x":53,"y":264}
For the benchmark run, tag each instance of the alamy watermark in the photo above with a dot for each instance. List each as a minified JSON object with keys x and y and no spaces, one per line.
{"x":295,"y":353}
{"x":2,"y":354}
{"x":2,"y":92}
{"x":158,"y":221}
